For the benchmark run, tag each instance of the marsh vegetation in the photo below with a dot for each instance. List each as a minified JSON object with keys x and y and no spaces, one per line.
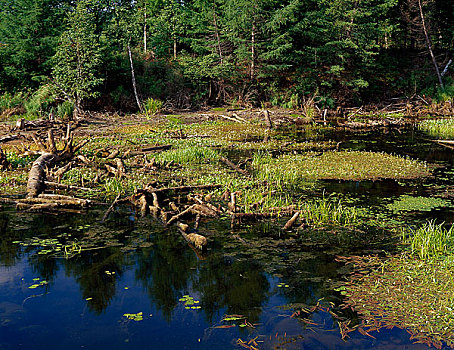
{"x":269,"y":204}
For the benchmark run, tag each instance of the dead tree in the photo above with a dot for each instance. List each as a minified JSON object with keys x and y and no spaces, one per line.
{"x":429,"y":45}
{"x":50,"y":156}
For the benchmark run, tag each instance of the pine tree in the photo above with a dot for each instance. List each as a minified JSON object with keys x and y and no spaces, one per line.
{"x":29,"y":32}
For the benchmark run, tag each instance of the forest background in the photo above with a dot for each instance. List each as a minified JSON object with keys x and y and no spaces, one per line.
{"x":57,"y":55}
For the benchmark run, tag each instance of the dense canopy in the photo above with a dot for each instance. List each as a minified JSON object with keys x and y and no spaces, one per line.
{"x":196,"y":52}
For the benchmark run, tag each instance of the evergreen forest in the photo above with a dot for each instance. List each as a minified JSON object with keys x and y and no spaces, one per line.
{"x":114,"y":55}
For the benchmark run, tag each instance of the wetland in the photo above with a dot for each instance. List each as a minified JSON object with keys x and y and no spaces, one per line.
{"x":317,"y":236}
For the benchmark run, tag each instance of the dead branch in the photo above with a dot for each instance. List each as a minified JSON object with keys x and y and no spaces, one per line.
{"x":233,"y":166}
{"x":149,"y":191}
{"x":182,"y":214}
{"x":292,"y":221}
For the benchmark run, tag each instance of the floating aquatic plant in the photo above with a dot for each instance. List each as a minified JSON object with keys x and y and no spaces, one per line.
{"x":38,"y":284}
{"x":410,"y":203}
{"x":294,"y":168}
{"x":190,"y":302}
{"x":134,"y":317}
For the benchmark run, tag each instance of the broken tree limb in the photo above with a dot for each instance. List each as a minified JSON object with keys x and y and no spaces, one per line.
{"x":229,"y":118}
{"x":49,"y":158}
{"x":114,"y":203}
{"x":195,"y":239}
{"x":156,"y":148}
{"x":269,"y":123}
{"x":292,"y":221}
{"x":233,"y":166}
{"x":182,"y":214}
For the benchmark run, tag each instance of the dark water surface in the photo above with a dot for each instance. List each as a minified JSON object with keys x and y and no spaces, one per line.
{"x":257,"y":272}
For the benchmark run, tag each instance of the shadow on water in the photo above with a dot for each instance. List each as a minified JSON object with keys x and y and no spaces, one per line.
{"x":280,"y":287}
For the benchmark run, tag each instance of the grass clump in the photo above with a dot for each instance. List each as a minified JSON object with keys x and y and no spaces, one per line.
{"x":354,"y":166}
{"x":443,"y":128}
{"x":328,"y":211}
{"x":152,"y":106}
{"x":430,"y":240}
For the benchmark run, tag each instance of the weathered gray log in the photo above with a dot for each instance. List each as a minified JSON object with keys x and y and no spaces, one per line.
{"x":37,"y":173}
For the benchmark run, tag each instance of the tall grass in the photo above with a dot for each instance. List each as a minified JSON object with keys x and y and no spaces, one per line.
{"x":430,"y":240}
{"x":9,"y":101}
{"x":438,"y":128}
{"x":152,"y":107}
{"x":329,"y":211}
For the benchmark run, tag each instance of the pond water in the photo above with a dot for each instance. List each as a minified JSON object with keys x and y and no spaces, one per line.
{"x":141,"y":286}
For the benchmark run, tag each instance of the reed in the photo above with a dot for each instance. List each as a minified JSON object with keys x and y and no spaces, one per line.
{"x":430,"y":240}
{"x":443,"y":128}
{"x":188,"y":155}
{"x":329,"y":211}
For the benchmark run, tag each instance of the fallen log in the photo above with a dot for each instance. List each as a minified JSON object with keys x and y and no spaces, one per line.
{"x":9,"y":138}
{"x":445,"y":143}
{"x":37,"y":174}
{"x":149,"y":191}
{"x":51,"y":202}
